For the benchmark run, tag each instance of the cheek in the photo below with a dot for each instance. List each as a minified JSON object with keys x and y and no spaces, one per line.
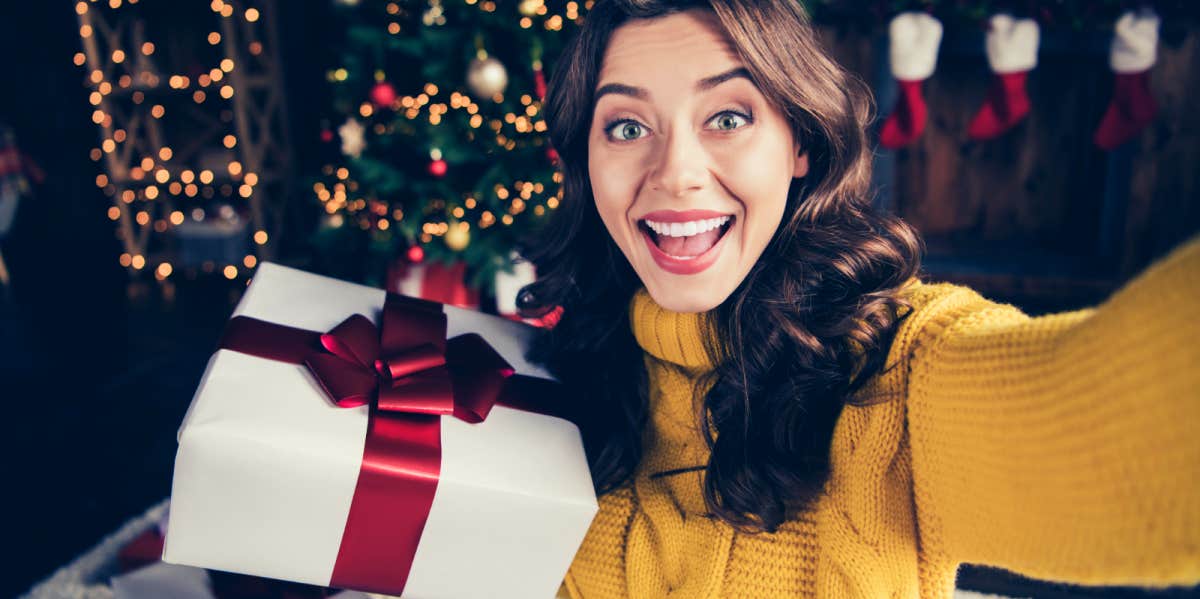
{"x":614,"y":186}
{"x":759,"y":176}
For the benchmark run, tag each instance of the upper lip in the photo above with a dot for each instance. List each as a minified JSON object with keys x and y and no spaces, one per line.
{"x":681,"y":216}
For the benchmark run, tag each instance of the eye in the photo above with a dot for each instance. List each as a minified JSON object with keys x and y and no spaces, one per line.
{"x":730,"y":120}
{"x":625,"y":130}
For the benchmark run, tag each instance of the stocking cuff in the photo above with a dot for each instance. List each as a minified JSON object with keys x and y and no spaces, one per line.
{"x":913,"y":39}
{"x":1135,"y":41}
{"x":1012,"y":44}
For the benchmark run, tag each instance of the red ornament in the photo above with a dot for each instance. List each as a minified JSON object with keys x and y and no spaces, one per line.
{"x":438,"y":167}
{"x":383,"y":95}
{"x":552,"y":155}
{"x":416,"y":254}
{"x":539,"y":84}
{"x":326,"y":135}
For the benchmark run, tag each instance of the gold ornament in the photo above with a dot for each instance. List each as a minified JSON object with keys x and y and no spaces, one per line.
{"x":529,"y":8}
{"x":457,"y":236}
{"x":487,"y":77}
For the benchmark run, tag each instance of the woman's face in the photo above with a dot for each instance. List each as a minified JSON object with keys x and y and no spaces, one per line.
{"x":689,"y":164}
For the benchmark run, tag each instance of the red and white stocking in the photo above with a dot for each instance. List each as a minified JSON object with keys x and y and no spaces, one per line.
{"x":913,"y":40}
{"x":1133,"y":53}
{"x":1012,"y":48}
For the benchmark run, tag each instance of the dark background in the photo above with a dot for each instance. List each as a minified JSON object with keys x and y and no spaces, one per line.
{"x":96,"y":371}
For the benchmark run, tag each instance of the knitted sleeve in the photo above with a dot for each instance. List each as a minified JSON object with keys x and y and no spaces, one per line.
{"x":1064,"y":447}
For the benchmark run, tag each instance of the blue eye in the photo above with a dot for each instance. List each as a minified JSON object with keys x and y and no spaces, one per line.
{"x":729,"y":120}
{"x":625,"y":130}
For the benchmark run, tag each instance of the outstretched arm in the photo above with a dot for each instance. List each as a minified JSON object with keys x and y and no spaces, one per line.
{"x":1065,"y":447}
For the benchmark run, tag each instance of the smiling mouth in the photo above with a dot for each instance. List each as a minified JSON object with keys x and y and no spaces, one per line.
{"x":686,"y":240}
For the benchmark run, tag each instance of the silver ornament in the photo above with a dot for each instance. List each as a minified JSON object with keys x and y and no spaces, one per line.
{"x":487,"y":77}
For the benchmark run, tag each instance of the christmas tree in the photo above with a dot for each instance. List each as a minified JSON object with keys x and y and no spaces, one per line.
{"x":437,"y":116}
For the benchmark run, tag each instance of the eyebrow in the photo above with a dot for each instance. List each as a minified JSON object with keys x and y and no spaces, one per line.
{"x":702,"y":85}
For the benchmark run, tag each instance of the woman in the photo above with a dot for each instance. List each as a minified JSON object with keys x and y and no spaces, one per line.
{"x":774,"y":405}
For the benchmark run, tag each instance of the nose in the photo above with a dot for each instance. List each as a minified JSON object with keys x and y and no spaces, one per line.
{"x":681,"y":165}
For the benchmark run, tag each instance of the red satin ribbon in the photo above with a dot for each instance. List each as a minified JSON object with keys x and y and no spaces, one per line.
{"x":410,"y":375}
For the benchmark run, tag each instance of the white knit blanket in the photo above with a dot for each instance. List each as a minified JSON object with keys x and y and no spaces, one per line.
{"x":87,"y":576}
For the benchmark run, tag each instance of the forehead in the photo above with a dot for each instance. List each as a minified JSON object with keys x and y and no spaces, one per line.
{"x":644,"y":50}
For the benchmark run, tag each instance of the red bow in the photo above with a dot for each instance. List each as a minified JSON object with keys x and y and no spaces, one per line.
{"x":409,"y":366}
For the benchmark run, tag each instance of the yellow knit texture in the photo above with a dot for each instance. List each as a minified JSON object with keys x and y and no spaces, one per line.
{"x":1064,"y":447}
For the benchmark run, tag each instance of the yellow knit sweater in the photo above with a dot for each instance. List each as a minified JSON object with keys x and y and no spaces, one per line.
{"x":1065,"y":447}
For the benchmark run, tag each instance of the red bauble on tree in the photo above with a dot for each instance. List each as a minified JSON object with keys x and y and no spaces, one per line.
{"x":383,"y":95}
{"x":539,"y":82}
{"x":438,"y":168}
{"x":416,"y":254}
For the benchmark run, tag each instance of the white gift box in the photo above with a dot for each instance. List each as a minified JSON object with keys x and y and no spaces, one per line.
{"x":267,"y":465}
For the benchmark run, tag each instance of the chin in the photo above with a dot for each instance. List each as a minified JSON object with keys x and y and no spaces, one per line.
{"x":688,"y":294}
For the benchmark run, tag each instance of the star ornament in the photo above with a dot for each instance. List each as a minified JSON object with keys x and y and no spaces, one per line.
{"x":353,"y":140}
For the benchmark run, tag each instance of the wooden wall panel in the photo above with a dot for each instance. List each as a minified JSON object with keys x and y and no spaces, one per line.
{"x":1164,"y":200}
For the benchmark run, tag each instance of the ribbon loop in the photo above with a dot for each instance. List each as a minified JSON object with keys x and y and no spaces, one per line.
{"x":425,"y":357}
{"x":347,"y":385}
{"x":354,"y":340}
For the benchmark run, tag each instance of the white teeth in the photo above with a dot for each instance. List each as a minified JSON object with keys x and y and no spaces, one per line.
{"x":686,"y":229}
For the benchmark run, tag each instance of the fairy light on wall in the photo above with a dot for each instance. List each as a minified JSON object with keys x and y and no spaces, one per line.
{"x":143,"y":175}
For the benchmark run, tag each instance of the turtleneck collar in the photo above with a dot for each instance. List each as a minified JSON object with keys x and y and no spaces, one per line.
{"x":673,"y":337}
